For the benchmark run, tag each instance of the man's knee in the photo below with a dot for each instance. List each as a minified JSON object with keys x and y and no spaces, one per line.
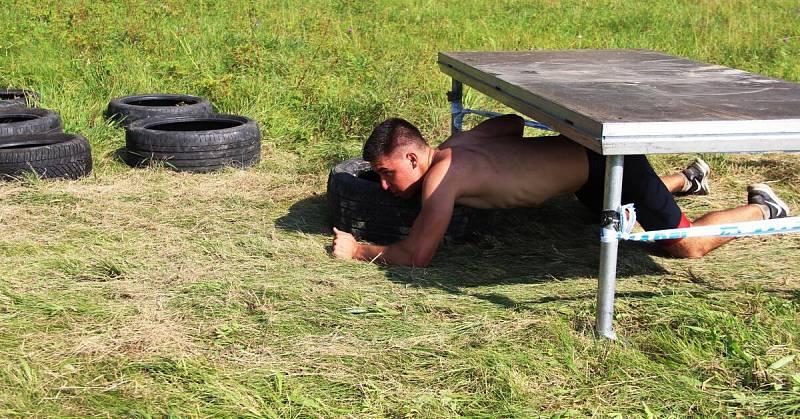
{"x":685,"y":249}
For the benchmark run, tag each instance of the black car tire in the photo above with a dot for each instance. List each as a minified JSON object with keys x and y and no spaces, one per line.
{"x":18,"y":97}
{"x":196,"y":166}
{"x":360,"y":206}
{"x":127,"y":109}
{"x":54,"y":155}
{"x":247,"y":149}
{"x":17,"y":120}
{"x":194,"y":143}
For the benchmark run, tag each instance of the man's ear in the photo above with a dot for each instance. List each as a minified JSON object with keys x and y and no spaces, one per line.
{"x":412,"y":157}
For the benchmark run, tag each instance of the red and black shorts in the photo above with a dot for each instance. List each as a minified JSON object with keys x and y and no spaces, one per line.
{"x":655,"y":206}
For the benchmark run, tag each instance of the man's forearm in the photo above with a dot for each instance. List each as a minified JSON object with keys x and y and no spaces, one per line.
{"x":390,"y":255}
{"x":369,"y":252}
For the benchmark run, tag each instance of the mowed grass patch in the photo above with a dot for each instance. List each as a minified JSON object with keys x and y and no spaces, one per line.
{"x":205,"y":306}
{"x":147,"y":292}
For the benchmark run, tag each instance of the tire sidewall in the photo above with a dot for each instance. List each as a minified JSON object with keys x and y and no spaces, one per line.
{"x":195,"y":151}
{"x":50,"y":155}
{"x":138,"y":135}
{"x":44,"y":121}
{"x":121,"y":110}
{"x":24,"y":98}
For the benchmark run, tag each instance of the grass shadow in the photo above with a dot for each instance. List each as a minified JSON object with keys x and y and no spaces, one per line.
{"x":524,"y":305}
{"x":309,"y":215}
{"x":553,"y":242}
{"x":120,"y":154}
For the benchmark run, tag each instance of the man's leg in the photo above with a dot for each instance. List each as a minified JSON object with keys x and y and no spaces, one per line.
{"x":656,"y":208}
{"x":693,"y":180}
{"x":763,"y":204}
{"x":696,"y":247}
{"x":674,"y":182}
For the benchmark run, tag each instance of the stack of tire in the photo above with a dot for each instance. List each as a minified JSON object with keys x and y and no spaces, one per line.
{"x":32,"y":141}
{"x":17,"y":97}
{"x":182,"y":132}
{"x":360,"y":206}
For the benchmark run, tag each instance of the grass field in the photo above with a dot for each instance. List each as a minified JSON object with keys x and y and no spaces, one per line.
{"x":150,"y":293}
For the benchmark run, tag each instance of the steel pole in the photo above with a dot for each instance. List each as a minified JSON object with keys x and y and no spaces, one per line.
{"x":454,"y":96}
{"x":606,"y":283}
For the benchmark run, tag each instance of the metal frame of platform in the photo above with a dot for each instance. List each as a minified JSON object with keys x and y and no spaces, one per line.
{"x":623,"y":102}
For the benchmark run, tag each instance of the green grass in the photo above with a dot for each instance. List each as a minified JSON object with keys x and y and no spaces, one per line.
{"x":150,"y":293}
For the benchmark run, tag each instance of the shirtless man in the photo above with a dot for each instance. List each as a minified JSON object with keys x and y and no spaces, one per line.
{"x":493,"y":166}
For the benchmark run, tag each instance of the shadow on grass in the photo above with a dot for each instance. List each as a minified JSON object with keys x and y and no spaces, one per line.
{"x":120,"y":154}
{"x":554,"y":242}
{"x":309,"y":216}
{"x":123,"y":156}
{"x":505,"y":301}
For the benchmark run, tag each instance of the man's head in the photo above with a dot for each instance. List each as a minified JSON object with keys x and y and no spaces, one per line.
{"x":399,"y":155}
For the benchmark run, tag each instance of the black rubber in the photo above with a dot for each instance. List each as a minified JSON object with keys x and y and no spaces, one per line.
{"x":247,"y":149}
{"x":128,"y":109}
{"x":17,"y":120}
{"x":360,"y":206}
{"x":54,"y":155}
{"x":194,"y":143}
{"x":18,"y":97}
{"x":184,"y":160}
{"x":194,"y":148}
{"x":198,"y":166}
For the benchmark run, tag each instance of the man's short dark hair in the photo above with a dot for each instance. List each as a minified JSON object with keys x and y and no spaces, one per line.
{"x":387,"y":136}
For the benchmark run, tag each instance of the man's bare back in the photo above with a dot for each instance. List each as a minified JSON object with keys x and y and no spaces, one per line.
{"x":510,"y":171}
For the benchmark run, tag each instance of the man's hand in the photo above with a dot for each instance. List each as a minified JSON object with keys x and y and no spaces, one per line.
{"x":344,"y":244}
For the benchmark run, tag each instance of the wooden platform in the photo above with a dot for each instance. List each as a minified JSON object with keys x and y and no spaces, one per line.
{"x":620,"y":102}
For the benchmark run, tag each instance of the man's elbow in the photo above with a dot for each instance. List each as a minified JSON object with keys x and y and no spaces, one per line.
{"x":421,"y":259}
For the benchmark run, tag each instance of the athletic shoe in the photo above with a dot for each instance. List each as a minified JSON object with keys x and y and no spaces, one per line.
{"x":697,"y":175}
{"x":762,"y":194}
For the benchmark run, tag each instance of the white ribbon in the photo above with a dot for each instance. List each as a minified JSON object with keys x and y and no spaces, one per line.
{"x":627,"y":219}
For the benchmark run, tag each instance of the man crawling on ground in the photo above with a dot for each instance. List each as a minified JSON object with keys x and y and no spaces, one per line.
{"x":493,"y":166}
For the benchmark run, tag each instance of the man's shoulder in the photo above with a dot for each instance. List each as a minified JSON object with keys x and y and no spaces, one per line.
{"x":443,"y":173}
{"x":441,"y":163}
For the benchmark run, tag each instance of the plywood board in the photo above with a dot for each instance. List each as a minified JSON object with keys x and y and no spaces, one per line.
{"x":638,"y":101}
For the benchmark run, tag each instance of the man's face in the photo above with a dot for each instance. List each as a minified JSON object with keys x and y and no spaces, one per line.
{"x":399,"y":172}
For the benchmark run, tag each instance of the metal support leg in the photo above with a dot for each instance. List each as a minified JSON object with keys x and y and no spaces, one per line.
{"x":608,"y":248}
{"x":454,"y":96}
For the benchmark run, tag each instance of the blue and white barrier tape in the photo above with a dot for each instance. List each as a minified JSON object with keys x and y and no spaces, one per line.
{"x":459,"y":112}
{"x":740,"y":229}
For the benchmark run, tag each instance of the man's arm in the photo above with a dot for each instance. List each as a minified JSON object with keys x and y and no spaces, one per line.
{"x":345,"y":246}
{"x":426,"y":232}
{"x":415,"y":250}
{"x":509,"y":125}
